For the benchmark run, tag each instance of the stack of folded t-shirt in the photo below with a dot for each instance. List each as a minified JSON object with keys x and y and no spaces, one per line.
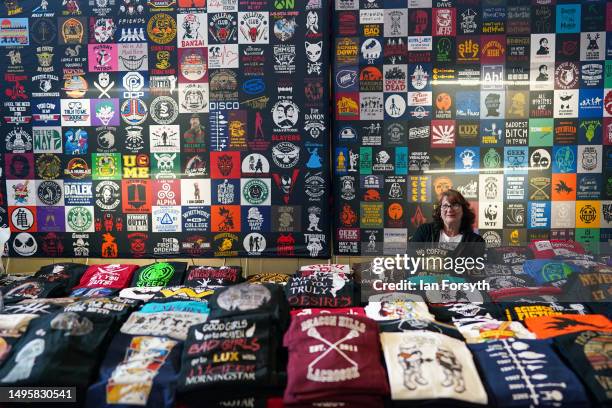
{"x":159,"y":274}
{"x":549,"y":271}
{"x":55,"y":280}
{"x":143,"y":360}
{"x":593,"y":287}
{"x":142,"y":363}
{"x":588,"y":354}
{"x":546,"y":327}
{"x":334,"y":360}
{"x":548,"y":249}
{"x":527,"y":373}
{"x":212,"y":276}
{"x":327,"y":286}
{"x":422,"y":365}
{"x":403,"y":312}
{"x":104,"y":280}
{"x":278,"y":278}
{"x":237,"y":352}
{"x":58,"y":349}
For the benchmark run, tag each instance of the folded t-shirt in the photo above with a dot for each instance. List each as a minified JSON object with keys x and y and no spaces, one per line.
{"x":548,"y":249}
{"x":115,"y":308}
{"x":500,"y":276}
{"x":159,"y":274}
{"x":213,"y":276}
{"x":445,"y":312}
{"x":329,"y":268}
{"x":109,"y":276}
{"x":320,"y":289}
{"x":332,"y":355}
{"x":588,"y":354}
{"x":547,"y":271}
{"x":521,"y":311}
{"x":38,"y":306}
{"x":228,"y":353}
{"x":480,"y":329}
{"x":60,"y":349}
{"x":399,"y":315}
{"x":278,"y":278}
{"x":174,"y":293}
{"x":144,"y":294}
{"x":32,"y":288}
{"x":352,"y":311}
{"x":508,"y":255}
{"x":93,"y":292}
{"x":545,"y":327}
{"x":422,"y":366}
{"x":137,"y":370}
{"x":246,"y":297}
{"x":527,"y":294}
{"x":527,"y":373}
{"x":174,"y":324}
{"x":69,"y":272}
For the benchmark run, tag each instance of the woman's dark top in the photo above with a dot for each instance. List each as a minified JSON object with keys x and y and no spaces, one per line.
{"x":429,"y":233}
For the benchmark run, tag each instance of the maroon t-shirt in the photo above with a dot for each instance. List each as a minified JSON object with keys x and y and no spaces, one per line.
{"x":331,"y":355}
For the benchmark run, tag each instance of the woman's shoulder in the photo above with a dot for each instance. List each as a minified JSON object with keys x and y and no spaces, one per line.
{"x":423,"y":233}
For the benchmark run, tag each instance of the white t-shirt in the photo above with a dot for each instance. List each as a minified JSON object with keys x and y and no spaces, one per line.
{"x":426,"y":365}
{"x":450,"y":242}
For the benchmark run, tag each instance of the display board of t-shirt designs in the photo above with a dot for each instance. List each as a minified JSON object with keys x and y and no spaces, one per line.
{"x":508,"y":102}
{"x":135,"y":128}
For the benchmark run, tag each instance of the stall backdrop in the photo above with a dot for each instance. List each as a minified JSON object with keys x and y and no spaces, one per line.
{"x":134,"y":128}
{"x":508,"y":102}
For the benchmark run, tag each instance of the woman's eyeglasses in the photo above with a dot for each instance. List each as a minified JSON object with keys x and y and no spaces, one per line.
{"x":446,"y":207}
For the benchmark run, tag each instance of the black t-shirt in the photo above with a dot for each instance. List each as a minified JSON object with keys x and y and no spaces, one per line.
{"x":243,"y":298}
{"x":32,"y":288}
{"x":115,"y":308}
{"x":588,"y":354}
{"x":229,"y":353}
{"x":159,"y":274}
{"x":38,"y":306}
{"x":213,"y":276}
{"x":320,"y":289}
{"x":137,"y":370}
{"x":13,"y":326}
{"x":509,"y":255}
{"x":60,"y":349}
{"x":69,"y":272}
{"x":446,"y":312}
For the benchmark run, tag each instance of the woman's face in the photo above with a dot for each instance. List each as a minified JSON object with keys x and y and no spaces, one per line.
{"x":451,"y":213}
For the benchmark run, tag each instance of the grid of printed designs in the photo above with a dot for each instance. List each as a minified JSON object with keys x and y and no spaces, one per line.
{"x":157,"y":128}
{"x":510,"y":104}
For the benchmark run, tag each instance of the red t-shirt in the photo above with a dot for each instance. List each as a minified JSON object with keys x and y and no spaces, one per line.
{"x":113,"y":276}
{"x":331,"y":355}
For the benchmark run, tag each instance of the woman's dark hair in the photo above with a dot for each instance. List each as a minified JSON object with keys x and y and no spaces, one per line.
{"x":453,"y":196}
